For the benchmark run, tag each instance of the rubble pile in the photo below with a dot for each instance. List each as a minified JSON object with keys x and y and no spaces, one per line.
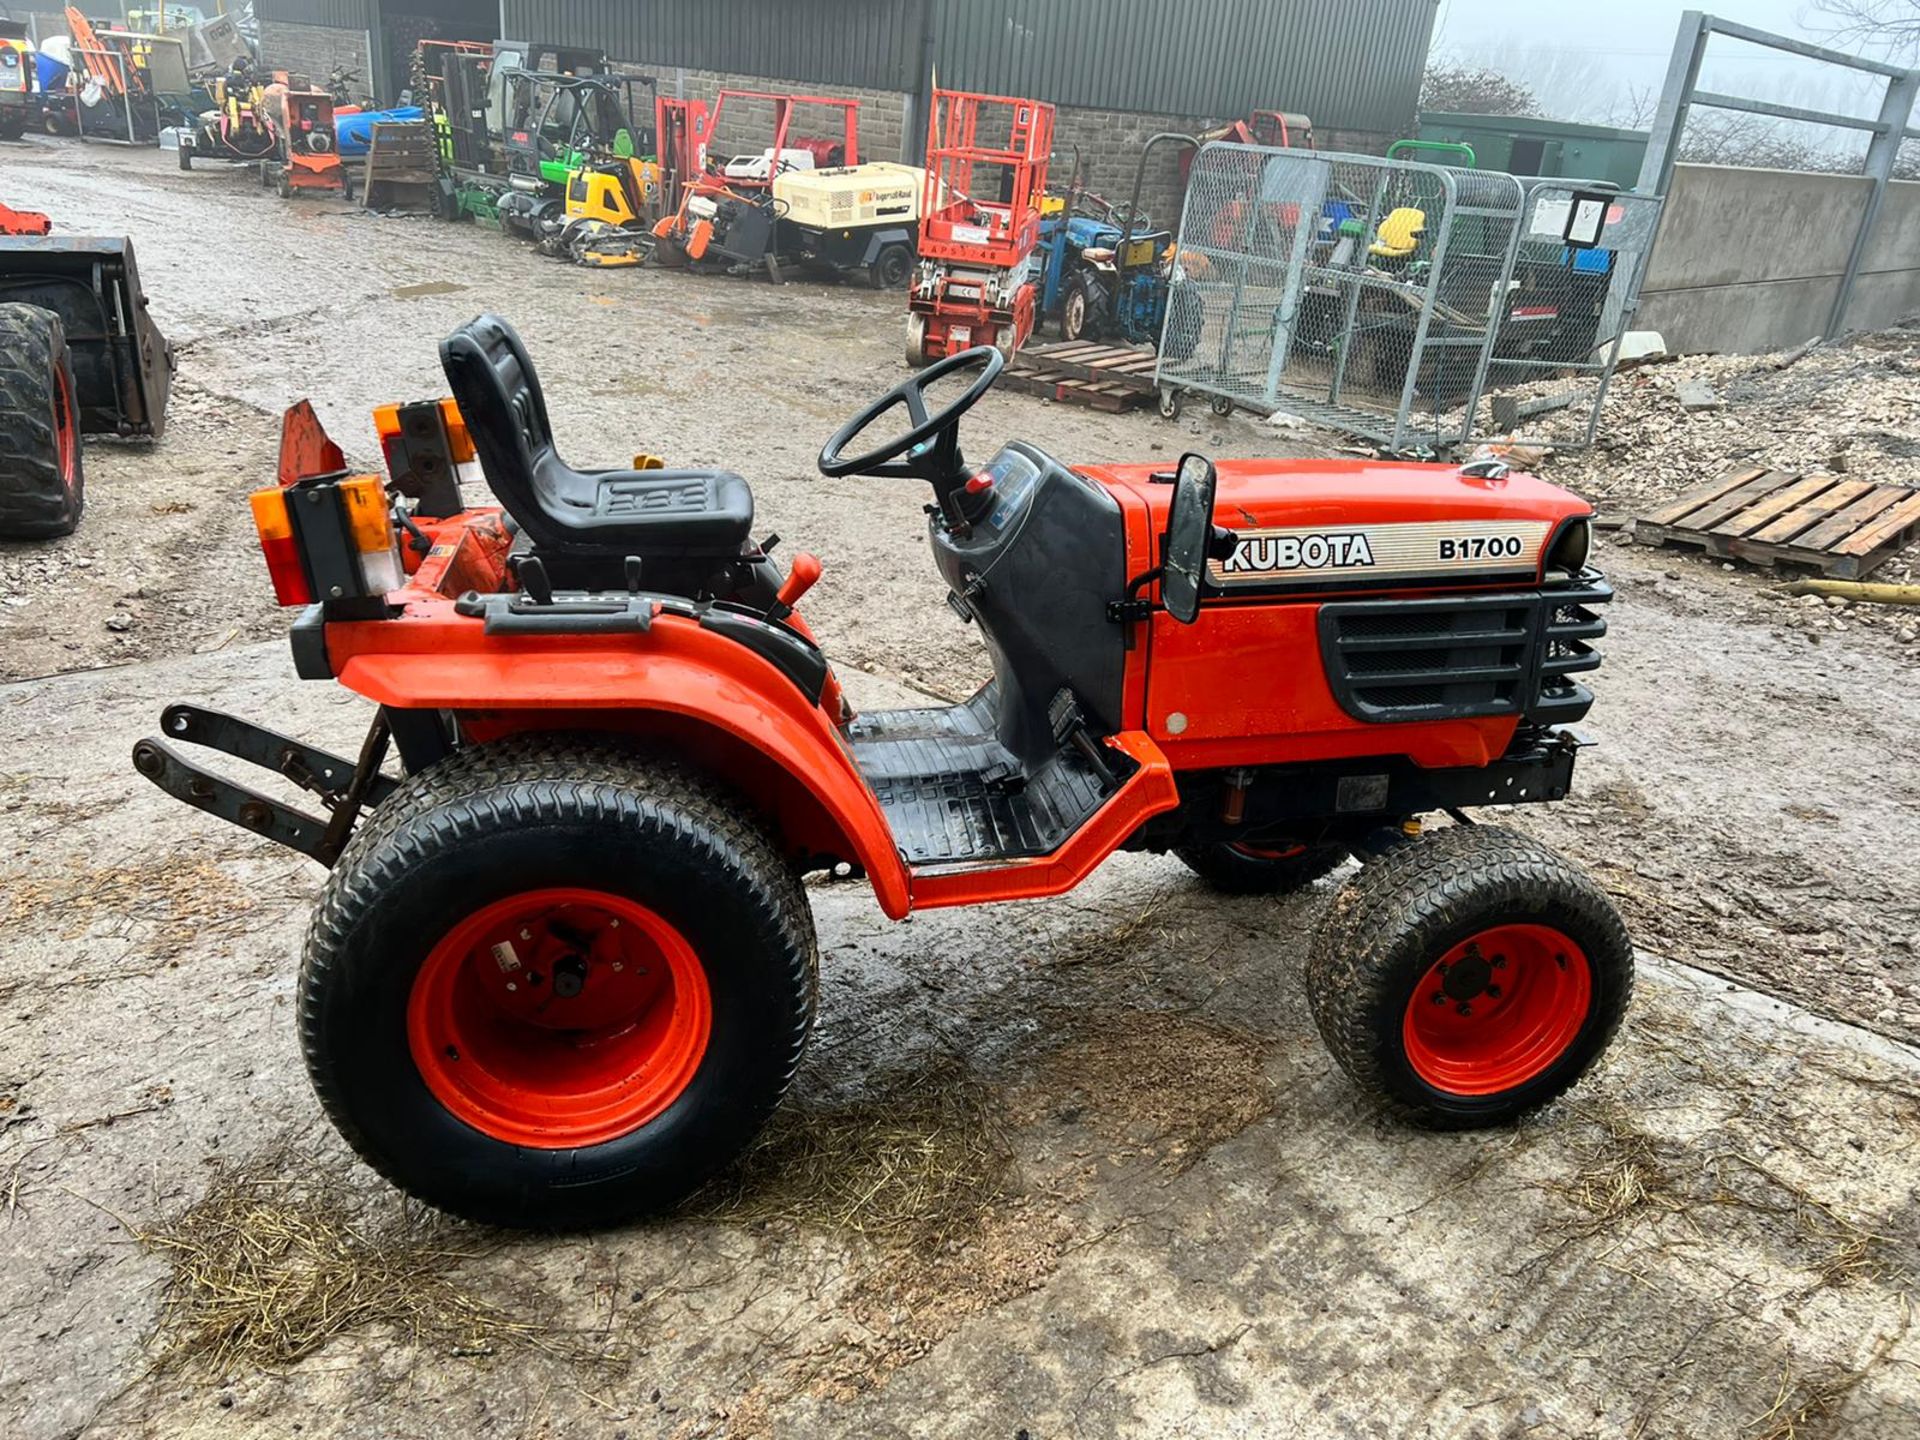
{"x":1849,"y":407}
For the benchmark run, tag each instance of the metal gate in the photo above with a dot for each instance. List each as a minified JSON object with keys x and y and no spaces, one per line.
{"x":1396,"y":301}
{"x":1567,"y":311}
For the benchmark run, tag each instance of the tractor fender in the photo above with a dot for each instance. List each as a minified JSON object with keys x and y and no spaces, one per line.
{"x":693,"y":691}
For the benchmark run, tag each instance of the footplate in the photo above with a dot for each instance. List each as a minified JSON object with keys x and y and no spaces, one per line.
{"x":344,"y":786}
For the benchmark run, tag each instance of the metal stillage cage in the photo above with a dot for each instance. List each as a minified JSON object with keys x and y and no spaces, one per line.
{"x":1398,"y":301}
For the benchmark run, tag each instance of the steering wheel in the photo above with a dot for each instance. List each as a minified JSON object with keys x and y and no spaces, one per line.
{"x":931,"y":449}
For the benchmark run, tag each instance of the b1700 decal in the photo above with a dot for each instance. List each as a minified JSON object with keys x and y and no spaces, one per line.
{"x":1362,"y":553}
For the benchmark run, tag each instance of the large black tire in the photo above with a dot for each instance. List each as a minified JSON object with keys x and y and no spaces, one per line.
{"x":525,"y":815}
{"x":13,"y":122}
{"x":1374,"y":973}
{"x":43,"y":485}
{"x":1249,"y":870}
{"x":890,"y":268}
{"x":186,"y":153}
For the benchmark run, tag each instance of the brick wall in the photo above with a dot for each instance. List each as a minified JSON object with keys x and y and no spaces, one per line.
{"x":312,"y":50}
{"x":1109,"y":144}
{"x":746,"y":127}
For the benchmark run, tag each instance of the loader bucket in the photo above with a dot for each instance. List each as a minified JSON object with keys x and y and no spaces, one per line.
{"x":122,"y":364}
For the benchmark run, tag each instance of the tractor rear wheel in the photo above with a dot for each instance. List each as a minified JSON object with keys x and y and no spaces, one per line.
{"x":554,"y":984}
{"x":1470,"y":976}
{"x":1240,"y":869}
{"x":43,"y":485}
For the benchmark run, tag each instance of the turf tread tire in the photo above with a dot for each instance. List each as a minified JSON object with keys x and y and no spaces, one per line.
{"x":513,"y":786}
{"x":1403,"y":911}
{"x":35,"y":503}
{"x":1232,"y":873}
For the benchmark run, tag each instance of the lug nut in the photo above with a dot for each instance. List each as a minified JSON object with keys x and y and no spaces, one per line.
{"x":1466,"y":1008}
{"x":1493,"y":991}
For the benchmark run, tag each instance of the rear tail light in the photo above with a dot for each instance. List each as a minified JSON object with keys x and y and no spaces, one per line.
{"x":329,"y":539}
{"x":290,"y":585}
{"x":370,"y":528}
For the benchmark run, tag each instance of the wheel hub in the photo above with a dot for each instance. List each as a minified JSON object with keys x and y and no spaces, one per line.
{"x":559,"y":1017}
{"x":1497,"y":1010}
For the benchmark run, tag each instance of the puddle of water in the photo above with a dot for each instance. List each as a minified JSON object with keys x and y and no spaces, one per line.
{"x":430,"y":287}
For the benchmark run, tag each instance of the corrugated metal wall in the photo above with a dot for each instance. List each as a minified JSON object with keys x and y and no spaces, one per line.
{"x":1354,"y":65}
{"x":869,"y":43}
{"x":1351,"y":64}
{"x":341,"y":14}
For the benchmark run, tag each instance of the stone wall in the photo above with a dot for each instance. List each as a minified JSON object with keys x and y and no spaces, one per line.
{"x":313,"y":50}
{"x":746,"y":127}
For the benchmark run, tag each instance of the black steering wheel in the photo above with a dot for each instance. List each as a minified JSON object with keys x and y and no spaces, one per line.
{"x":931,"y":449}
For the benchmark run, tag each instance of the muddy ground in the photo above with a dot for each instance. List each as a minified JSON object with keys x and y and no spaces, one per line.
{"x":1075,"y":1168}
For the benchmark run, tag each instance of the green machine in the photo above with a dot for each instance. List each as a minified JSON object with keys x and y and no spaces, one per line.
{"x":1524,"y":145}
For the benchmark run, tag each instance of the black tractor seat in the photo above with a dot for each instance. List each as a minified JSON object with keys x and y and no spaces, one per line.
{"x":580,"y":513}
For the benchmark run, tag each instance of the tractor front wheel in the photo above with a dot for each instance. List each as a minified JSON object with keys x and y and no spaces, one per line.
{"x":553,"y":984}
{"x":43,"y":487}
{"x":1469,"y":977}
{"x":1078,"y":311}
{"x":1237,"y":868}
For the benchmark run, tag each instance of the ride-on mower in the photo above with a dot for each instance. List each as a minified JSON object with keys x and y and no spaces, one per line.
{"x":564,"y":968}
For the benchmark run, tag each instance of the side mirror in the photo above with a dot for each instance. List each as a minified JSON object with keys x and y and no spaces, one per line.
{"x":1189,"y":535}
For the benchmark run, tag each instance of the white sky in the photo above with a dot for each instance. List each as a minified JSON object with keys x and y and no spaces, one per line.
{"x":1591,"y":62}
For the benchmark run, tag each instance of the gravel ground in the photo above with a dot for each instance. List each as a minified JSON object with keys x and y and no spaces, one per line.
{"x":1169,"y":1218}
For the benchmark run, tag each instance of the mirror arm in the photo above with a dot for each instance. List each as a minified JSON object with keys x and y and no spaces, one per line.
{"x":1134,"y":610}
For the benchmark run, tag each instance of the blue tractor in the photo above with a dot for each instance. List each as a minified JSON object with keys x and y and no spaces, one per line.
{"x":1107,"y":273}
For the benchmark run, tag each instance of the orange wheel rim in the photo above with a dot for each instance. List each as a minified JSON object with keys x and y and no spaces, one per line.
{"x":66,"y":429}
{"x":560,"y":1017}
{"x":1497,"y":1010}
{"x":1267,"y":852}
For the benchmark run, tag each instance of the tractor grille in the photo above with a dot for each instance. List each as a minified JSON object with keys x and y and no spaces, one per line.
{"x":1453,"y":658}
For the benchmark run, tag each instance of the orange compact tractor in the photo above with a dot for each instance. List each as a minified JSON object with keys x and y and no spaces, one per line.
{"x":564,"y":966}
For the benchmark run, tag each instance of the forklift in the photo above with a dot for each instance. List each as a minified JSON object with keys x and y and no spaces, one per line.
{"x":561,"y":126}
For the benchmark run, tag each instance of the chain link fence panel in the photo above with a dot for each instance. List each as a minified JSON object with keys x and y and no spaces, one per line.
{"x":1400,"y":302}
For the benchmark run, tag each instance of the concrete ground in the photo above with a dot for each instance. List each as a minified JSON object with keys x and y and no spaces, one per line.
{"x":1078,"y":1167}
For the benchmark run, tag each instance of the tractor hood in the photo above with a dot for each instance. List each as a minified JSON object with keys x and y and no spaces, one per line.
{"x":1318,"y":524}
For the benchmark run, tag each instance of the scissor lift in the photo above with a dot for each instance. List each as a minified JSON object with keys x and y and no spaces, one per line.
{"x":975,"y":282}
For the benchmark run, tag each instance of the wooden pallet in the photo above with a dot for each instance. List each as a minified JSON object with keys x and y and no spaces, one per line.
{"x":403,"y":165}
{"x":1840,"y":527}
{"x":1107,"y":377}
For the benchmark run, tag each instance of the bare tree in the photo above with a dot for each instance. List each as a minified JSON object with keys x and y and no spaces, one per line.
{"x":1890,"y":27}
{"x":1467,"y":90}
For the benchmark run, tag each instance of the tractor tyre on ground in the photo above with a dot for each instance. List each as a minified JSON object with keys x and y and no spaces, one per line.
{"x":1469,"y":977}
{"x":43,"y":485}
{"x":13,"y":123}
{"x":1237,"y":869}
{"x":890,"y":268}
{"x":553,"y":983}
{"x":1079,"y":311}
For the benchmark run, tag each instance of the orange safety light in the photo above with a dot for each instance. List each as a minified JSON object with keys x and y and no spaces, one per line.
{"x":282,"y":551}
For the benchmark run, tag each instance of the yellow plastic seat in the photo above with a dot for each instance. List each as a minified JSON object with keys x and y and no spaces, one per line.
{"x":1399,"y":234}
